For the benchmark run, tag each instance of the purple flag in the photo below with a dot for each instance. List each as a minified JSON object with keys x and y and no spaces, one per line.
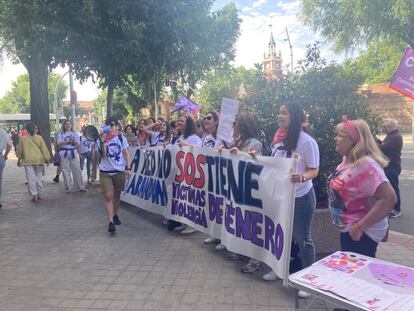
{"x":403,"y":79}
{"x":187,"y":105}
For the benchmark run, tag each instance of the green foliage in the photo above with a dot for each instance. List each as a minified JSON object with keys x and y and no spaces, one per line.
{"x":226,"y":83}
{"x":351,"y":23}
{"x":379,"y":62}
{"x":325,"y":91}
{"x":17,"y":100}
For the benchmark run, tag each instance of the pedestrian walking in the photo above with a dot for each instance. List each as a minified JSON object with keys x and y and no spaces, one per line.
{"x":113,"y":170}
{"x":5,"y":147}
{"x":68,"y":141}
{"x":33,"y":154}
{"x":391,"y":147}
{"x":360,"y":195}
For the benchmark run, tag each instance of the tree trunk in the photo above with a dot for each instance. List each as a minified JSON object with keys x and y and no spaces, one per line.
{"x":109,"y":101}
{"x":37,"y":68}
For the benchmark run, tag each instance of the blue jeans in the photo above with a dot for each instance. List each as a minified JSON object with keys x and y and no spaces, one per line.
{"x":88,"y":157}
{"x":302,"y":221}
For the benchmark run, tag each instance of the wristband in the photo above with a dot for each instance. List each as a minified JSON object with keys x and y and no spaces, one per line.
{"x":127,"y":168}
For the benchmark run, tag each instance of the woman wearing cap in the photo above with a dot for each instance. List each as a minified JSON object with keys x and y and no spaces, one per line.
{"x":113,"y":170}
{"x":68,"y":141}
{"x":360,"y":195}
{"x":292,"y":138}
{"x":186,"y":126}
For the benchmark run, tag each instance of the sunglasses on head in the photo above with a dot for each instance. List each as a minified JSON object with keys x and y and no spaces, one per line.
{"x":208,"y":118}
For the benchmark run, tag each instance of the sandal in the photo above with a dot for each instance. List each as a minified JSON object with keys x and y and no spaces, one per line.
{"x":251,"y":267}
{"x":235,"y":257}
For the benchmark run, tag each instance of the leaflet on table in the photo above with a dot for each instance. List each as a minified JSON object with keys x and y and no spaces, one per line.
{"x":318,"y":277}
{"x":344,"y":285}
{"x":348,"y":263}
{"x":393,"y":275}
{"x":406,"y":303}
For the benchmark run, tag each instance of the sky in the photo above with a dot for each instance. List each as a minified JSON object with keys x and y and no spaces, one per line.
{"x":256,"y":15}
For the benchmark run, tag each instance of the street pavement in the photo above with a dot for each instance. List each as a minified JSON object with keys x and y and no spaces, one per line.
{"x":55,"y":254}
{"x":405,"y":223}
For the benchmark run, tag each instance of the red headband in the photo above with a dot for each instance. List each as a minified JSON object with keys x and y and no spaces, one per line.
{"x":350,"y":128}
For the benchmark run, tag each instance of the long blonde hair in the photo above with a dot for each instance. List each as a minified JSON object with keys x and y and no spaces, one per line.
{"x":365,"y":146}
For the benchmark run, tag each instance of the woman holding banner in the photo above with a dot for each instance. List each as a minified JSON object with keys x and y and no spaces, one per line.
{"x":245,"y":139}
{"x":360,"y":195}
{"x":210,"y":140}
{"x":186,"y":126}
{"x":292,"y":138}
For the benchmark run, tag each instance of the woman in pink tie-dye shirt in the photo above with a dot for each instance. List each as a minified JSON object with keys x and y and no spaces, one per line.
{"x":360,"y":196}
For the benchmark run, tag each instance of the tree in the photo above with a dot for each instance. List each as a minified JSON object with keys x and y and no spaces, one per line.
{"x":113,"y":39}
{"x":17,"y":100}
{"x":326,"y":91}
{"x":142,"y":41}
{"x":378,"y":63}
{"x":225,"y":83}
{"x":352,"y":23}
{"x":35,"y":33}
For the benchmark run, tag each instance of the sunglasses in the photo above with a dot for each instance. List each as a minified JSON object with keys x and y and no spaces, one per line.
{"x":208,"y":118}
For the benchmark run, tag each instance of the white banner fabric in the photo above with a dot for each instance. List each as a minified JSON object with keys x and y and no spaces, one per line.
{"x":247,"y":203}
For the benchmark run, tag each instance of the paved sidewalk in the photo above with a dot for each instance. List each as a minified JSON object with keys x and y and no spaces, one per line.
{"x":56,"y":255}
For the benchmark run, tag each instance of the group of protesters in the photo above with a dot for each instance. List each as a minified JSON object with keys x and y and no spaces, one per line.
{"x":361,"y":196}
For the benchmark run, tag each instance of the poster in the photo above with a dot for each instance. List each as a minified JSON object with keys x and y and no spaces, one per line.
{"x":245,"y":202}
{"x":228,"y":112}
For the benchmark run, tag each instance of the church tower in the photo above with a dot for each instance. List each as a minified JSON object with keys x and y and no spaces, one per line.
{"x":272,"y":61}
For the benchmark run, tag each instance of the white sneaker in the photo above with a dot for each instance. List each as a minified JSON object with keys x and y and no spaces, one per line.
{"x":211,"y":240}
{"x":165,"y":222}
{"x":188,"y":230}
{"x":302,"y":294}
{"x":180,"y":228}
{"x":271,"y":276}
{"x":219,"y":247}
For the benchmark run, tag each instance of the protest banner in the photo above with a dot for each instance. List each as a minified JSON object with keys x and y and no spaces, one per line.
{"x":228,"y":112}
{"x":403,"y":79}
{"x":247,"y":203}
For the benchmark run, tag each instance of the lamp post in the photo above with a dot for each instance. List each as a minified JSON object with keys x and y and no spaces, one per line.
{"x":291,"y":50}
{"x":56,"y":99}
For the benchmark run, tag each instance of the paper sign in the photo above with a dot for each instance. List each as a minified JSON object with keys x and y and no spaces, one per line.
{"x":228,"y":112}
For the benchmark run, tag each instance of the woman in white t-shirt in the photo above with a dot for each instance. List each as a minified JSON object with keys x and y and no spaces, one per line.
{"x":158,"y":133}
{"x":210,"y":140}
{"x":292,"y":138}
{"x":211,"y":124}
{"x":186,"y":126}
{"x":68,"y":141}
